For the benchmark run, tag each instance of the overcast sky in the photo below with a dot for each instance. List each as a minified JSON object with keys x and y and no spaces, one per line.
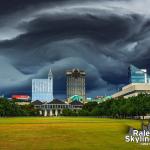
{"x":102,"y":37}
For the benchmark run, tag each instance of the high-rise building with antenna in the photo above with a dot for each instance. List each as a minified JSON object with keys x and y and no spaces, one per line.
{"x":42,"y":89}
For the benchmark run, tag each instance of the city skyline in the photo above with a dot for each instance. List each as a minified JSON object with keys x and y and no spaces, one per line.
{"x":101,"y":37}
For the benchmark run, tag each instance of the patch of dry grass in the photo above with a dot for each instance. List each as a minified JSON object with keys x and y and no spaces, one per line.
{"x":39,"y":133}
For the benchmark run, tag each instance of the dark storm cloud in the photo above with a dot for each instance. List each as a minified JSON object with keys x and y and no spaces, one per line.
{"x":11,"y":6}
{"x":98,"y":28}
{"x":101,"y":29}
{"x":100,"y":37}
{"x":46,"y":29}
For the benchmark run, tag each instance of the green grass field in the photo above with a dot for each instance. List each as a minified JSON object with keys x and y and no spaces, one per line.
{"x":65,"y":134}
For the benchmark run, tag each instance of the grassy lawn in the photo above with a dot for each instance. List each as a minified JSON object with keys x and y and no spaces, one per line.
{"x":65,"y":133}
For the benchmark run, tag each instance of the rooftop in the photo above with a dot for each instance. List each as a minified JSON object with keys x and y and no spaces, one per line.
{"x":37,"y":102}
{"x":56,"y":101}
{"x":76,"y":103}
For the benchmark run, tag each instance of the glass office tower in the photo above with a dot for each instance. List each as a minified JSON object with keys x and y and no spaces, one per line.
{"x":42,"y":89}
{"x":137,"y":75}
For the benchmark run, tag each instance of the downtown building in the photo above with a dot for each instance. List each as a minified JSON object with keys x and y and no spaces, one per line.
{"x":42,"y":95}
{"x":21,"y":99}
{"x":56,"y":107}
{"x":136,"y":75}
{"x":42,"y":89}
{"x":76,"y":83}
{"x":139,"y":82}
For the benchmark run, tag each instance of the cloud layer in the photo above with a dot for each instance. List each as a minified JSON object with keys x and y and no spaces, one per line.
{"x":100,"y":37}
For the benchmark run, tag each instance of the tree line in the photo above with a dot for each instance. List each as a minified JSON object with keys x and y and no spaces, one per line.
{"x":115,"y":108}
{"x":9,"y":108}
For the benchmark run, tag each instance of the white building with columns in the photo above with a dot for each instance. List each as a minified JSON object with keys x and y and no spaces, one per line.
{"x":55,"y":107}
{"x":42,"y":89}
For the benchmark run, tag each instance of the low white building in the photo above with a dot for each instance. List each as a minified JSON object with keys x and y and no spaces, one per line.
{"x":55,"y":107}
{"x":133,"y":89}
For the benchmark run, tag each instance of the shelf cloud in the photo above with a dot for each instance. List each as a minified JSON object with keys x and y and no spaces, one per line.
{"x":101,"y":37}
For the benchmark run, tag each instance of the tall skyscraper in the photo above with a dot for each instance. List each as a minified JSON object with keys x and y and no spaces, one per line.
{"x":42,"y":89}
{"x":76,"y":83}
{"x":137,"y":75}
